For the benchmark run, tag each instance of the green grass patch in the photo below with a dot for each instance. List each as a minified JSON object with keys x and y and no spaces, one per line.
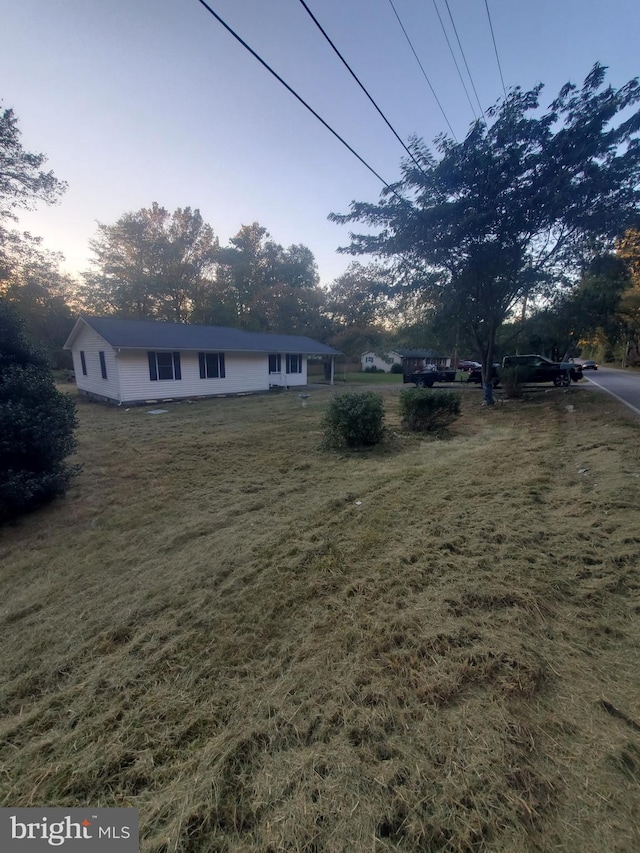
{"x":369,"y":378}
{"x":264,"y":646}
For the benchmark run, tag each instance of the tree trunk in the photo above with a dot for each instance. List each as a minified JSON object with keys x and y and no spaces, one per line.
{"x":487,"y":369}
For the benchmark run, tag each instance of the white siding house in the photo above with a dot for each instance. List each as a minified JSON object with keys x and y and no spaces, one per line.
{"x":135,"y":361}
{"x":371,"y":359}
{"x":427,"y":356}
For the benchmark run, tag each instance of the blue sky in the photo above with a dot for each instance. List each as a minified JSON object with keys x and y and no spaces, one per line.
{"x":136,"y":101}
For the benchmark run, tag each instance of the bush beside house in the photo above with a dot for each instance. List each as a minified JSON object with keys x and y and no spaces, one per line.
{"x":36,"y":424}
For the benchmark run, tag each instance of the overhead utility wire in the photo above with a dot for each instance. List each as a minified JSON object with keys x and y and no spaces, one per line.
{"x":495,"y":47}
{"x":353,"y":74}
{"x":423,"y":71}
{"x":466,"y":64}
{"x":455,"y":61}
{"x":297,"y":96}
{"x":305,"y":104}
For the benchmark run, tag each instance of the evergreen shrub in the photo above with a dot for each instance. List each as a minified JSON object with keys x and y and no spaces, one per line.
{"x":37,"y":424}
{"x":354,"y":419}
{"x":424,"y":410}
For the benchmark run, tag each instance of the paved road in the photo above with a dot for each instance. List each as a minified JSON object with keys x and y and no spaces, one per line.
{"x":622,"y":384}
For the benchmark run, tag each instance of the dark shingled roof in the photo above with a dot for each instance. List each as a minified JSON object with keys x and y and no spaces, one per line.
{"x":149,"y":334}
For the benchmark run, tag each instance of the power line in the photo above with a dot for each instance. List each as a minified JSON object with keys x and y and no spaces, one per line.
{"x":455,"y":61}
{"x":353,"y":74}
{"x":297,"y":96}
{"x":423,"y":71}
{"x":495,"y":47}
{"x":453,"y":24}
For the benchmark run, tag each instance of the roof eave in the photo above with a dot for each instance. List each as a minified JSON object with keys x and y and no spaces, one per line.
{"x":68,"y":344}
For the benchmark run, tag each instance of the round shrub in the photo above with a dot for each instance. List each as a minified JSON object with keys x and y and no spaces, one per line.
{"x":423,"y":410}
{"x":36,"y":424}
{"x":396,"y":368}
{"x":354,"y":419}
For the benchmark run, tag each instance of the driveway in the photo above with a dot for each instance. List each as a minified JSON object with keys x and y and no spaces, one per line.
{"x":624,"y":385}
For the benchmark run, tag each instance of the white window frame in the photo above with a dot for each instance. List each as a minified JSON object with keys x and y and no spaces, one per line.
{"x":278,"y":362}
{"x":297,"y":364}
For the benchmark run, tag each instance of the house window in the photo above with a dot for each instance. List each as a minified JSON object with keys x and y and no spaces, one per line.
{"x":275,"y":363}
{"x":211,"y":365}
{"x":164,"y":365}
{"x":369,"y":359}
{"x":103,"y":365}
{"x":83,"y":362}
{"x":294,"y":364}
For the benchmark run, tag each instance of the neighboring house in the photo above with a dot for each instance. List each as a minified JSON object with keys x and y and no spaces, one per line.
{"x":416,"y":359}
{"x":370,"y":359}
{"x":134,"y":361}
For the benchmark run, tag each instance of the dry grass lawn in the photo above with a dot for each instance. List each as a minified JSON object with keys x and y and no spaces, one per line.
{"x":432,"y":646}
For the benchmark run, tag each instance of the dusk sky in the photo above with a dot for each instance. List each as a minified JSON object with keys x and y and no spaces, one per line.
{"x":135,"y":101}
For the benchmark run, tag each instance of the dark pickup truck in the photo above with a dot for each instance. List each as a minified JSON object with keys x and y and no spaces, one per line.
{"x":426,"y":378}
{"x":535,"y":368}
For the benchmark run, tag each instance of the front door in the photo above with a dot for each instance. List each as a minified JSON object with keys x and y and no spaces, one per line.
{"x":276,"y":376}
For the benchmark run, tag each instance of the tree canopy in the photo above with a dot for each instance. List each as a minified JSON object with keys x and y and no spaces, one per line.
{"x":357,"y":307}
{"x":512,"y":209}
{"x":23,"y":183}
{"x":30,"y":278}
{"x":269,"y":287}
{"x":22,"y":180}
{"x":41,"y":294}
{"x":151,"y":263}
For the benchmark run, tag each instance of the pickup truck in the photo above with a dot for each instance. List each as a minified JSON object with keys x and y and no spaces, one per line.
{"x":427,"y":377}
{"x":536,"y":368}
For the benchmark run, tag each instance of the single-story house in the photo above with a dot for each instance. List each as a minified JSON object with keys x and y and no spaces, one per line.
{"x":415,"y":359}
{"x":371,"y":359}
{"x":135,"y":361}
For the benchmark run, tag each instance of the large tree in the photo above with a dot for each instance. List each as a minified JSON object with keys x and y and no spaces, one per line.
{"x":357,"y":306}
{"x":23,"y":183}
{"x":22,"y":180}
{"x":41,"y":294}
{"x":496,"y":219}
{"x":575,"y":317}
{"x":628,"y":250}
{"x":151,"y":264}
{"x":270,"y":287}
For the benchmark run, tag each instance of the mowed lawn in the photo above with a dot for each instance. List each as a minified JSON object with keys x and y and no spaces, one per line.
{"x":431,"y":646}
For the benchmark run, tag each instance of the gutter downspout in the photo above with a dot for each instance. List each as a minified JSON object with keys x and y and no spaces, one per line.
{"x":117,"y":356}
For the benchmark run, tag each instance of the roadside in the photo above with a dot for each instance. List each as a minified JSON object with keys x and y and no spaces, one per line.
{"x":622,"y":384}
